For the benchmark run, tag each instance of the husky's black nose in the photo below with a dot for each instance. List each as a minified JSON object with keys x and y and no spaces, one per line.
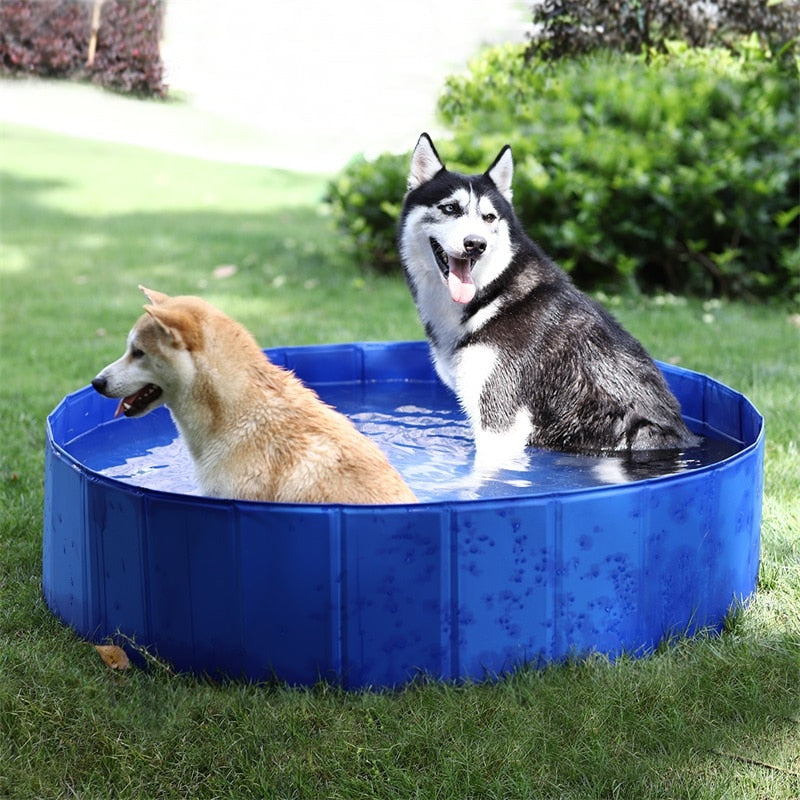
{"x":474,"y":245}
{"x":99,"y":384}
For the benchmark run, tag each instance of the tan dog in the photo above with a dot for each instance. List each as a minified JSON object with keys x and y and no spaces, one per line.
{"x":253,"y":430}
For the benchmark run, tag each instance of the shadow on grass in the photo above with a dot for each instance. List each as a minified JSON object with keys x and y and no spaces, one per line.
{"x":59,"y":245}
{"x":68,"y":276}
{"x":671,"y":724}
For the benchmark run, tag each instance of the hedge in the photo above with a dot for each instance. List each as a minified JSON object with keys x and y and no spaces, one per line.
{"x":679,"y":174}
{"x":572,"y":27}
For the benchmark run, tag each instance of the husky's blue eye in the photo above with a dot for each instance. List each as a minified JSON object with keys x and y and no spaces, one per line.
{"x":449,"y":208}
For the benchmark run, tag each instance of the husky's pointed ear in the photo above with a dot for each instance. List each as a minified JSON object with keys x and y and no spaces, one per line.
{"x":156,"y":298}
{"x":425,"y":163}
{"x":502,"y":171}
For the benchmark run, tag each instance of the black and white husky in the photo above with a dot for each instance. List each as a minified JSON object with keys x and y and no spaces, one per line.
{"x":533,"y":361}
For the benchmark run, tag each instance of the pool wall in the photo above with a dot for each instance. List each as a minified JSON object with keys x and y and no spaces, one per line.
{"x":374,"y":595}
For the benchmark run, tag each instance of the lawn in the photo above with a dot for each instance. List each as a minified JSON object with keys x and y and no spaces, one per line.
{"x":84,"y":223}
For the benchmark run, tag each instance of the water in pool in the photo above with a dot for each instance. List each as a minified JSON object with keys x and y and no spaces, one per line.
{"x":420,"y":428}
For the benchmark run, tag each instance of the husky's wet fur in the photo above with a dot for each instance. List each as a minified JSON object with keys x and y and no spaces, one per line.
{"x":533,"y":360}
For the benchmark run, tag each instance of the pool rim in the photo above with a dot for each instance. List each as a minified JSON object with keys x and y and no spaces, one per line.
{"x":666,"y":369}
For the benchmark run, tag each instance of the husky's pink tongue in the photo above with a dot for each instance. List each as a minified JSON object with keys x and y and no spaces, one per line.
{"x":459,"y":280}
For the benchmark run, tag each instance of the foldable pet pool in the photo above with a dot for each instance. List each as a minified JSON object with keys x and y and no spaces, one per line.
{"x":569,"y":555}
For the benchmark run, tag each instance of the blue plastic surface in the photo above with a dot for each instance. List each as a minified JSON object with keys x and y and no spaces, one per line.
{"x":372,"y":596}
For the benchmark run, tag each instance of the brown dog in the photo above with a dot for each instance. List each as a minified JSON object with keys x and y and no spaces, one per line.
{"x":253,"y":430}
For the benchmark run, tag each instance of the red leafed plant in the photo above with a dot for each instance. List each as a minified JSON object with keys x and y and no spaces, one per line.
{"x":53,"y":38}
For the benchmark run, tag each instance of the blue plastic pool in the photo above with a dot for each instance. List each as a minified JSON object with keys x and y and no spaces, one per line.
{"x":568,"y":556}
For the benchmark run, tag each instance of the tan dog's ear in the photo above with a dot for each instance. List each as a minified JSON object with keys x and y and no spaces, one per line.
{"x":156,"y":298}
{"x":179,"y":326}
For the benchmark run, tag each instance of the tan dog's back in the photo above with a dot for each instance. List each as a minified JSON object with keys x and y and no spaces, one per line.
{"x":254,"y":430}
{"x":318,"y":456}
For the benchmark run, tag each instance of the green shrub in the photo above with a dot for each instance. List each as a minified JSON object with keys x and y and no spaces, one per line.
{"x":681,"y":173}
{"x":366,"y":198}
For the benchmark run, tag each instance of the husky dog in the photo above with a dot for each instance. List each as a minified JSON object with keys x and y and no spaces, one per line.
{"x":533,"y":361}
{"x":254,"y":432}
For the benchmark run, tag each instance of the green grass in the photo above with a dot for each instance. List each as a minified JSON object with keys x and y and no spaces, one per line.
{"x":83,"y":224}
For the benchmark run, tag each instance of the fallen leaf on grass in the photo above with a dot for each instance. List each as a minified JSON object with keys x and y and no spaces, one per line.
{"x":114,"y":657}
{"x":225,"y":271}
